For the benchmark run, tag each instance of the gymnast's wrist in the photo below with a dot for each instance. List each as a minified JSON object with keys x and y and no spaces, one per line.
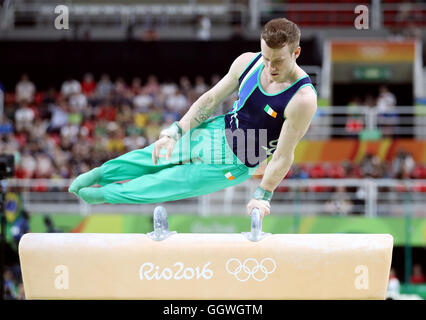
{"x":174,"y":131}
{"x":262,"y":194}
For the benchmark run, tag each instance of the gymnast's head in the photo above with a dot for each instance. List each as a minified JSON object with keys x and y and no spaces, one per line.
{"x":280,"y":45}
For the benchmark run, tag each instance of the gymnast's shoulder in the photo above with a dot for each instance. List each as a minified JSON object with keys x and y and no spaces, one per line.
{"x":241,"y":62}
{"x":303,"y":104}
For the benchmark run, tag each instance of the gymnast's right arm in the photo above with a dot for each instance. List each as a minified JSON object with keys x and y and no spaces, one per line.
{"x":207,"y":104}
{"x":203,"y":108}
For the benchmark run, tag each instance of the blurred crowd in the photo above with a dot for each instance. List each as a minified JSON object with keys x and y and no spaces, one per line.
{"x":384,"y":103}
{"x":62,"y":133}
{"x":394,"y":284}
{"x":13,"y":283}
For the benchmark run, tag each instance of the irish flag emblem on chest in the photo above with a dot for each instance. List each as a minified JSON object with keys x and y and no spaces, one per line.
{"x":270,"y":111}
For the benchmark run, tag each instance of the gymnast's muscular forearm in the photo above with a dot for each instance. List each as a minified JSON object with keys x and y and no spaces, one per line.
{"x":275,"y":171}
{"x":199,"y":112}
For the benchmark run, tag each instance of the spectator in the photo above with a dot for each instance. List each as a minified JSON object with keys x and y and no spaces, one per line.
{"x":136,"y":85}
{"x":204,"y":26}
{"x":89,"y":124}
{"x":393,"y":285}
{"x":59,"y":117}
{"x":107,"y":112}
{"x":124,"y":114}
{"x":104,"y":87}
{"x":44,"y":167}
{"x":386,"y":103}
{"x":75,"y":116}
{"x":21,"y":227}
{"x":39,"y":128}
{"x":340,"y":202}
{"x":21,"y":293}
{"x":70,"y":132}
{"x":177,"y":102}
{"x":168,"y":88}
{"x":88,"y":85}
{"x":141,"y":120}
{"x":155,"y":115}
{"x":152,"y":131}
{"x":24,"y":117}
{"x":200,"y":85}
{"x":403,"y":163}
{"x":120,"y":87}
{"x":70,"y":87}
{"x":185,"y":85}
{"x":152,"y":87}
{"x":50,"y":227}
{"x":134,"y":141}
{"x":78,"y":101}
{"x":214,"y":80}
{"x":25,"y":90}
{"x":142,"y":101}
{"x":27,"y":165}
{"x":6,"y":126}
{"x":11,"y":291}
{"x":386,"y":100}
{"x":336,"y":171}
{"x":354,"y":121}
{"x":115,"y":143}
{"x":170,"y":116}
{"x":370,"y":166}
{"x":418,"y":276}
{"x":299,"y":172}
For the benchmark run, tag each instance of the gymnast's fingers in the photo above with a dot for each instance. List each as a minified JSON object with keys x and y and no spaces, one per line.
{"x":169,"y":150}
{"x":266,"y":211}
{"x":155,"y":153}
{"x":250,"y":207}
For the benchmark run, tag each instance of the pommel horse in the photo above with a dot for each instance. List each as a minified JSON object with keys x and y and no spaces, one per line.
{"x":165,"y":265}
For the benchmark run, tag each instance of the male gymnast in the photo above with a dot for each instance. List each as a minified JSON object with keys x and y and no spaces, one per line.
{"x":199,"y":155}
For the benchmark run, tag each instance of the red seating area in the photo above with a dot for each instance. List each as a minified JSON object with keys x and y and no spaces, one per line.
{"x":396,"y":16}
{"x":338,"y":171}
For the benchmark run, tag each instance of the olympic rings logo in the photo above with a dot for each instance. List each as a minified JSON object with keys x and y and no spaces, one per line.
{"x":251,"y":268}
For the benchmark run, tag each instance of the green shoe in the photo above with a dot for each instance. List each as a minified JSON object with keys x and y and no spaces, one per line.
{"x":85,"y":180}
{"x":92,"y":195}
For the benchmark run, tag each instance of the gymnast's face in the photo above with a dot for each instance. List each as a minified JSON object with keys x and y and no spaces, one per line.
{"x":279,"y":63}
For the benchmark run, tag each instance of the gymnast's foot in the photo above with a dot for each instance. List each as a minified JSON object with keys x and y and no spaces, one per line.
{"x":92,"y":195}
{"x":85,"y":180}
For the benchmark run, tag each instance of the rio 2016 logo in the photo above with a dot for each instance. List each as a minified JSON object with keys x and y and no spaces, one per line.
{"x":148,"y":271}
{"x":242,"y":271}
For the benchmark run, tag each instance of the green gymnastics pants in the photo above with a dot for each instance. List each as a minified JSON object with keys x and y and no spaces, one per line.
{"x":201,"y":162}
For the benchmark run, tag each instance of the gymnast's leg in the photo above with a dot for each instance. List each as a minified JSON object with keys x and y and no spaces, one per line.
{"x":201,"y":163}
{"x":127,"y":166}
{"x":170,"y":184}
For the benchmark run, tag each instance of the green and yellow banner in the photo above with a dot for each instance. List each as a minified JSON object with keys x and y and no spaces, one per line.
{"x":183,"y":223}
{"x":338,"y":150}
{"x":374,"y":51}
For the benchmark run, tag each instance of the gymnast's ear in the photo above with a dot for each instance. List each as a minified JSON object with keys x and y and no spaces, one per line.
{"x":296,"y":52}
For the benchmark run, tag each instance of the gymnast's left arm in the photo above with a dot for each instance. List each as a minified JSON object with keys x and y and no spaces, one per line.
{"x":298,"y":118}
